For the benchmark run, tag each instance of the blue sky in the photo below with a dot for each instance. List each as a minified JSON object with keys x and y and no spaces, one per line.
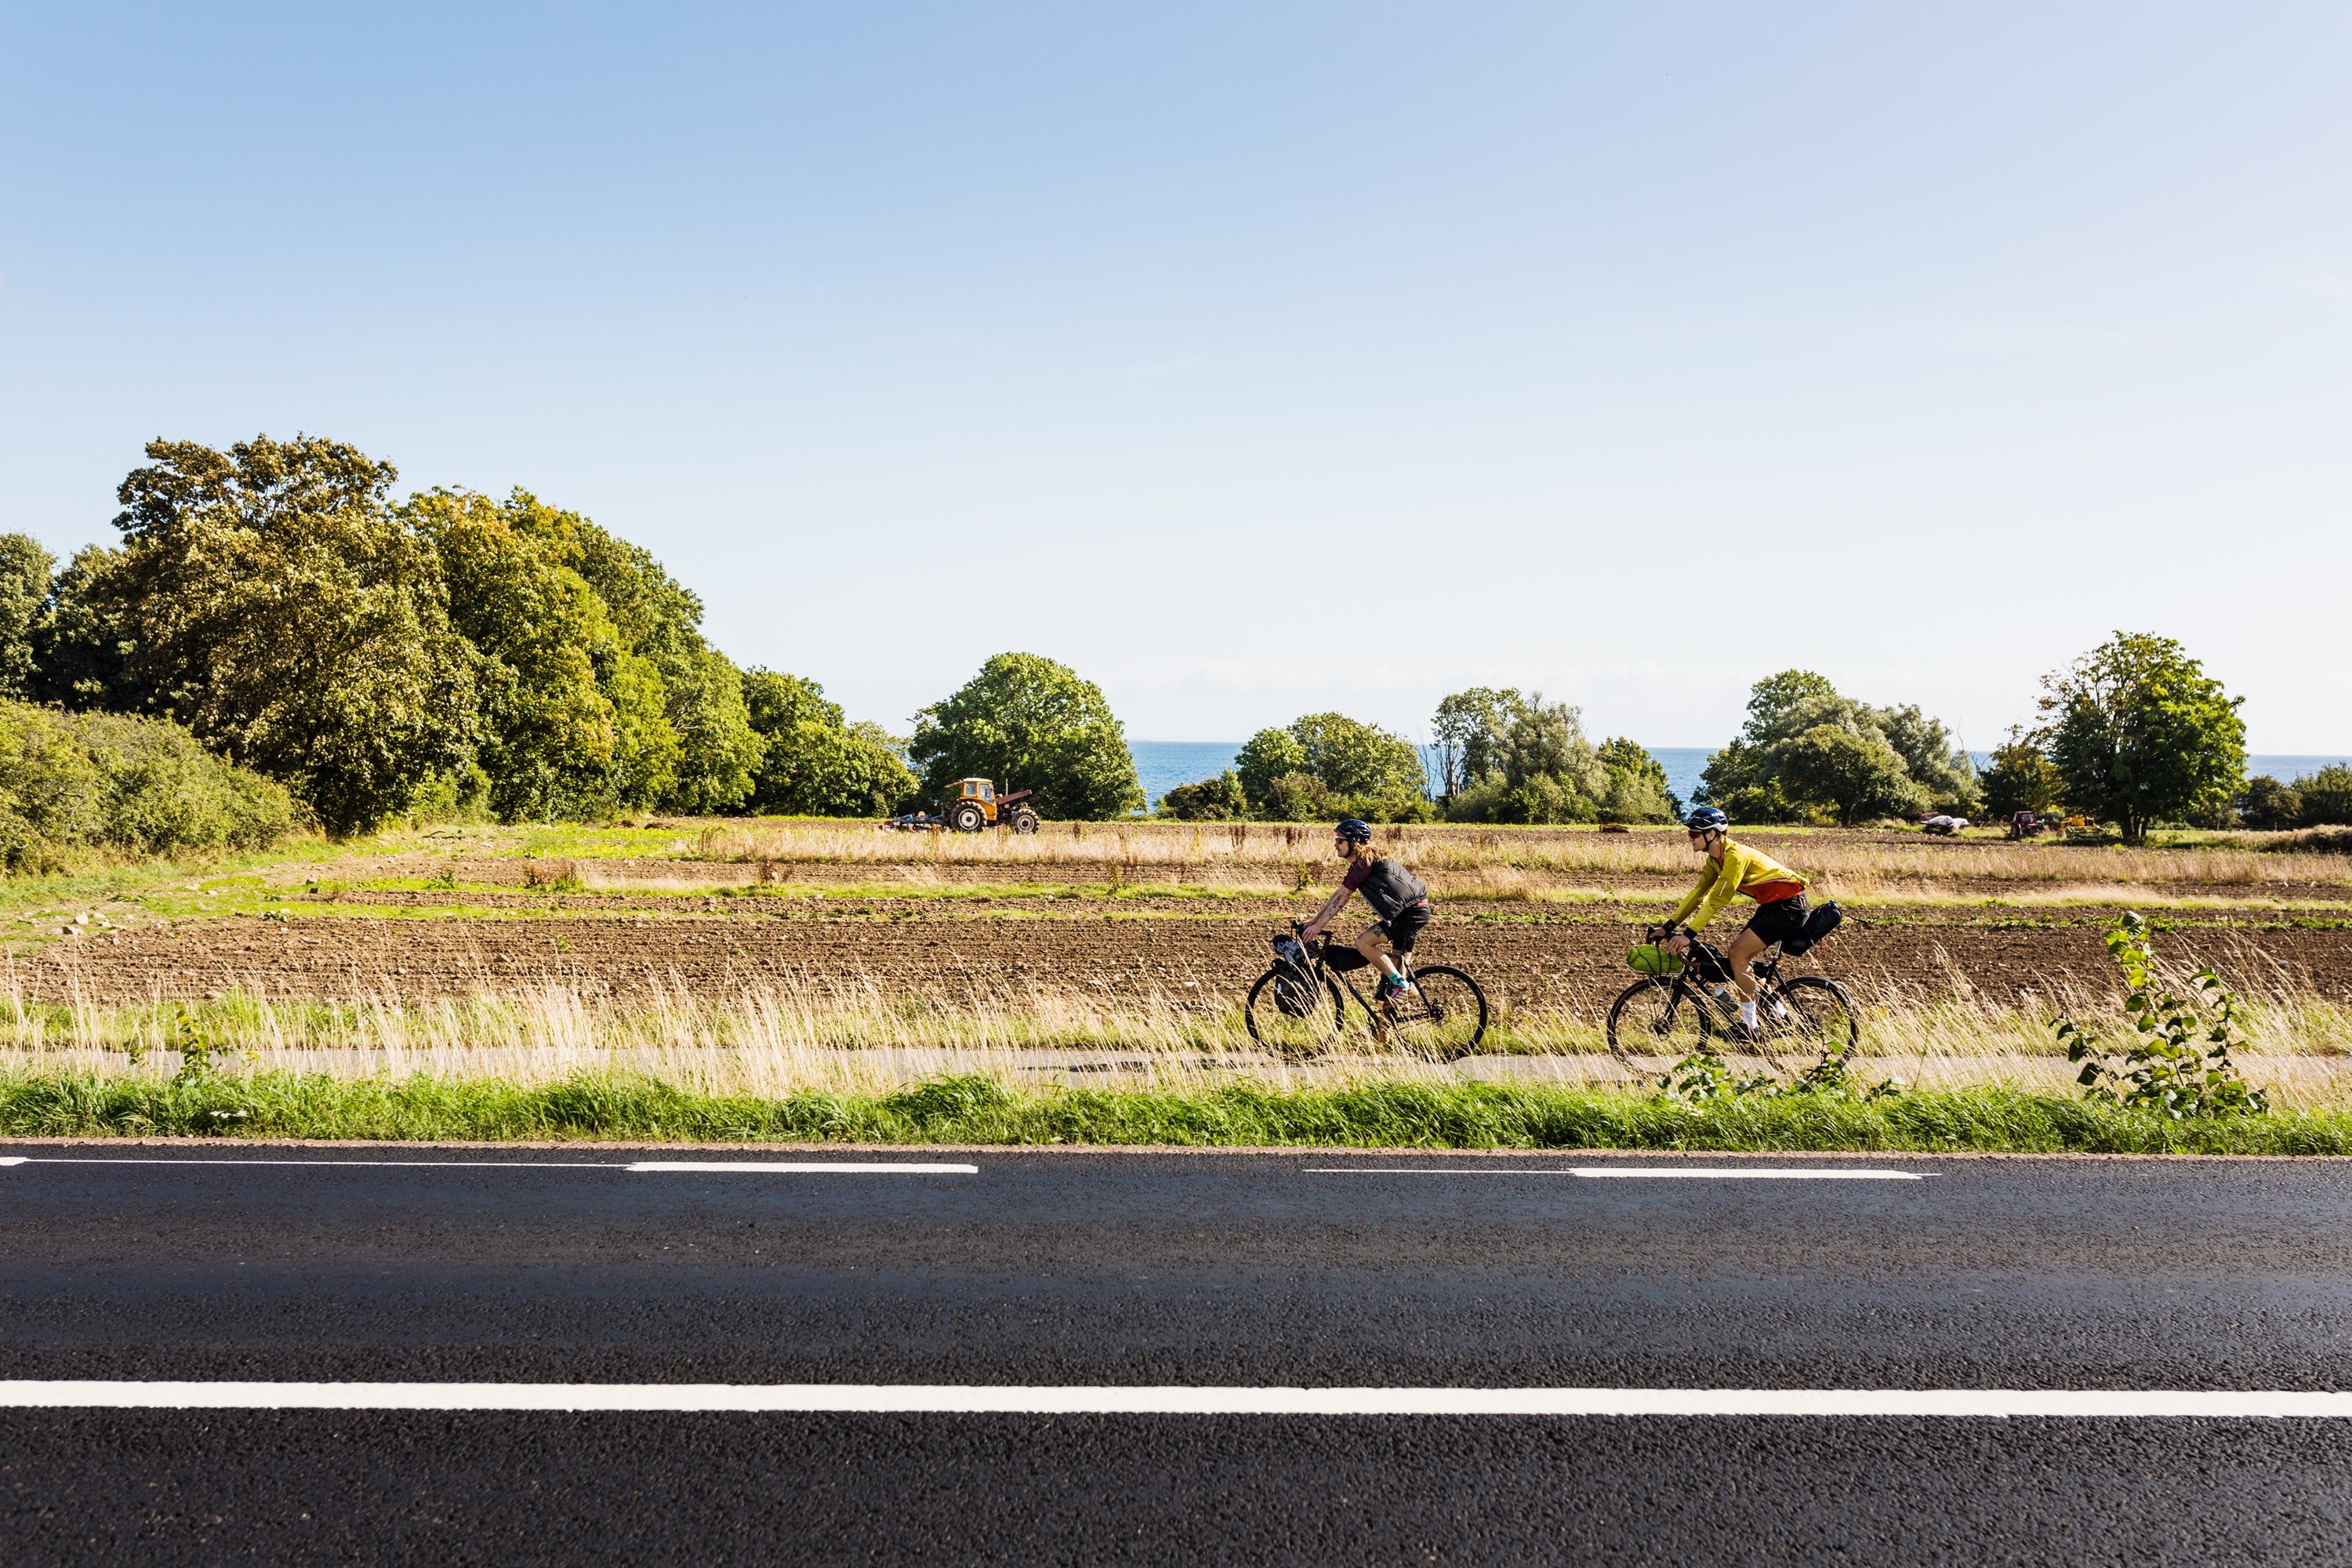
{"x":1260,"y":359}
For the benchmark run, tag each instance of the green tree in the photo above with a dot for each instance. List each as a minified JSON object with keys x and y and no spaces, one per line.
{"x":1268,"y":755}
{"x":1371,"y":773}
{"x":1031,"y":723}
{"x":1637,"y":785}
{"x":2020,"y":778}
{"x":818,"y":763}
{"x":25,"y":570}
{"x":267,"y":597}
{"x":2140,"y":733}
{"x":1854,"y":773}
{"x":2326,"y":797}
{"x":2270,"y":804}
{"x":1219,"y":799}
{"x":1760,"y":777}
{"x":1469,"y":729}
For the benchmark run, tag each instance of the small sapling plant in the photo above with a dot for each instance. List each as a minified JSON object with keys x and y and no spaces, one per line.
{"x":2178,"y":1061}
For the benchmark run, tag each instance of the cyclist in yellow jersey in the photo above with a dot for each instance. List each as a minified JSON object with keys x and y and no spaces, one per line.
{"x":1735,"y":869}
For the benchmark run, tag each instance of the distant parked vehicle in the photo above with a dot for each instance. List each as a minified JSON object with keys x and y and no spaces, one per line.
{"x":1947,"y":825}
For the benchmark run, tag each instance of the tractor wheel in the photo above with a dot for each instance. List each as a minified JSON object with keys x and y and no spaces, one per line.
{"x":967,"y":819}
{"x":1024,"y":822}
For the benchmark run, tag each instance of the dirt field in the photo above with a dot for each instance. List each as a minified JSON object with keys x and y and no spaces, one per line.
{"x":1206,"y":954}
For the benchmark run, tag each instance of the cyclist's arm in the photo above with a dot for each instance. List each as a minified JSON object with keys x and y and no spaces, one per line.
{"x":1325,"y":915}
{"x":1708,"y":878}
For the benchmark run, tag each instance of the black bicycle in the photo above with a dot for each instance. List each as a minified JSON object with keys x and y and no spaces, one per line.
{"x":1677,"y":1014}
{"x":1298,"y":1007}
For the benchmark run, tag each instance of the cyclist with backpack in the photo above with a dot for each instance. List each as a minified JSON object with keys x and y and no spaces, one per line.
{"x":1733,"y":869}
{"x":1397,"y":897}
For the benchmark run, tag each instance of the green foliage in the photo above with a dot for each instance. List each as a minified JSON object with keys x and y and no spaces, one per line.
{"x":1468,"y":729}
{"x":1030,"y":724}
{"x":1637,"y":785}
{"x":2324,"y":799}
{"x":2270,"y":804}
{"x":269,"y":600}
{"x":1704,"y":1076}
{"x":2179,"y":1064}
{"x":1852,"y":772}
{"x":2140,"y":733}
{"x":817,"y":762}
{"x":1808,"y":753}
{"x":25,"y":570}
{"x":1327,"y":765}
{"x":2020,"y":778}
{"x":1525,"y":759}
{"x":1378,"y":1114}
{"x":1219,"y":799}
{"x":72,"y":783}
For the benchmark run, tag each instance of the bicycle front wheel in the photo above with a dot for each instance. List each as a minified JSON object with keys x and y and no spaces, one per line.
{"x":1658,"y":1019}
{"x":1821,"y":1014}
{"x":1445,"y":1017}
{"x":1290,"y":1019}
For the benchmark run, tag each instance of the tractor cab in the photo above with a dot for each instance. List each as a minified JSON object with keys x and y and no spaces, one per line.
{"x":975,"y":789}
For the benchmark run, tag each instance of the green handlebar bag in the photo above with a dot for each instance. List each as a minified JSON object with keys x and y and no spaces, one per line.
{"x":1655,"y":962}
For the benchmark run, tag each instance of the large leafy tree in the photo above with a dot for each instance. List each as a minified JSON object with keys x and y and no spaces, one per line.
{"x":1780,"y":769}
{"x":1030,"y":724}
{"x":1469,"y":729}
{"x":2020,"y":778}
{"x":2140,"y":733}
{"x":267,"y":597}
{"x":817,"y":762}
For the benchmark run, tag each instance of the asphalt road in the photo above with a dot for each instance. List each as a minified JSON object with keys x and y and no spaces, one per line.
{"x":1062,"y":1269}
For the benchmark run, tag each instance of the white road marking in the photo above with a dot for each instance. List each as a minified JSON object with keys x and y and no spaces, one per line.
{"x":1014,"y":1399}
{"x":730,"y":1167}
{"x":772,"y":1166}
{"x":1722,"y":1172}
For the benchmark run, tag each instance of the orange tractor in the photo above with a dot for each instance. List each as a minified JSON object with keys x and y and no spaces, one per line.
{"x":973,"y":805}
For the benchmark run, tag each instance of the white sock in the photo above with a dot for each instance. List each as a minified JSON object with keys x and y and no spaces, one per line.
{"x":1748,"y":1014}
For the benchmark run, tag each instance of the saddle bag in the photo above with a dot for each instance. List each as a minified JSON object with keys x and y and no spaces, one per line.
{"x":1823,"y":920}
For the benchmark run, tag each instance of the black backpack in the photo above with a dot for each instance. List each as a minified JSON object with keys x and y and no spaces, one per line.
{"x":1823,"y":920}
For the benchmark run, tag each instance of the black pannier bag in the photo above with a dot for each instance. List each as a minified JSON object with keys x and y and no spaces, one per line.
{"x":1293,"y":980}
{"x":1823,"y":920}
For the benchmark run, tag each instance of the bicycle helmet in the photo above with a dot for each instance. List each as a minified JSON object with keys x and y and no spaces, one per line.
{"x":1355,"y":830}
{"x":1707,"y":819}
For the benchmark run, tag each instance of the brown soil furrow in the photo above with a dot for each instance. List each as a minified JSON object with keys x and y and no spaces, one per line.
{"x":942,"y":953}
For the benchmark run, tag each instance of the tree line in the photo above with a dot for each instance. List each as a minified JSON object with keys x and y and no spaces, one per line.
{"x":453,"y":654}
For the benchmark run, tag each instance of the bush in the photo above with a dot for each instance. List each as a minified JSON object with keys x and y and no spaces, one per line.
{"x":74,"y":783}
{"x":2270,"y":804}
{"x":1219,"y":799}
{"x":2326,"y":797}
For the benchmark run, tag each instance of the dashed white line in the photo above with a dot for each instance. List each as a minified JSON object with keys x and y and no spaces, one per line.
{"x":802,"y":1167}
{"x":1015,"y":1399}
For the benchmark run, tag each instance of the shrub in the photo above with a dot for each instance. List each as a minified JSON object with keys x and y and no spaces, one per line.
{"x":2270,"y":804}
{"x":2326,"y":797}
{"x":74,"y":783}
{"x":1219,"y":799}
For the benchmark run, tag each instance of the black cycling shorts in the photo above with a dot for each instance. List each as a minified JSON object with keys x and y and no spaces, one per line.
{"x":1778,"y":921}
{"x":1404,"y":927}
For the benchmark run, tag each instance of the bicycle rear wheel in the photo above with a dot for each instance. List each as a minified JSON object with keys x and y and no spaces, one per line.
{"x":1446,"y":1019}
{"x":1658,"y":1019}
{"x":1291,"y":1035}
{"x":1821,"y":1014}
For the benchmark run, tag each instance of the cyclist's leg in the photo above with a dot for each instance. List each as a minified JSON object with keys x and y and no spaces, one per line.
{"x":1374,"y":945}
{"x":1742,"y":952}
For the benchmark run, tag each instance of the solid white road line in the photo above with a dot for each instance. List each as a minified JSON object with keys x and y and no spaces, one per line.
{"x":1729,"y":1172}
{"x":983,"y":1399}
{"x":795,"y":1167}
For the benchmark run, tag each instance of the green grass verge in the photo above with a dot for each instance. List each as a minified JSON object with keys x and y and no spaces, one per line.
{"x":978,"y":1110}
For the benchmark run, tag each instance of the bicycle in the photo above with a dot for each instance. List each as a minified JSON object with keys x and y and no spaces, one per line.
{"x":1297,"y":1009}
{"x":1677,"y":1014}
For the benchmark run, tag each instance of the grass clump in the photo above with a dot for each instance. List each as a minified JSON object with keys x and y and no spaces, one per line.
{"x":979,"y":1108}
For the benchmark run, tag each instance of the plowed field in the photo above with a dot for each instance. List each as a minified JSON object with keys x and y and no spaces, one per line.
{"x":1208,"y":950}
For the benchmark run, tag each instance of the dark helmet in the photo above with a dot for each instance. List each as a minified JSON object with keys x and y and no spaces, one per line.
{"x":1707,"y":819}
{"x":1355,"y":830}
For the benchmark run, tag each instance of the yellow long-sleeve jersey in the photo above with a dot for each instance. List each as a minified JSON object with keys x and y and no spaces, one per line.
{"x":1741,"y":870}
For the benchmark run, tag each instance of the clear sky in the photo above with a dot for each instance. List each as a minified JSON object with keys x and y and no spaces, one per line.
{"x":1260,"y":358}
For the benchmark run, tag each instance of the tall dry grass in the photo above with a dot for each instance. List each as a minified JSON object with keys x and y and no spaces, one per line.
{"x":1274,"y":855}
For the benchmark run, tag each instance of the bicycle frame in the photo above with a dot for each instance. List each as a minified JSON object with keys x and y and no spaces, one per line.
{"x":1322,"y":971}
